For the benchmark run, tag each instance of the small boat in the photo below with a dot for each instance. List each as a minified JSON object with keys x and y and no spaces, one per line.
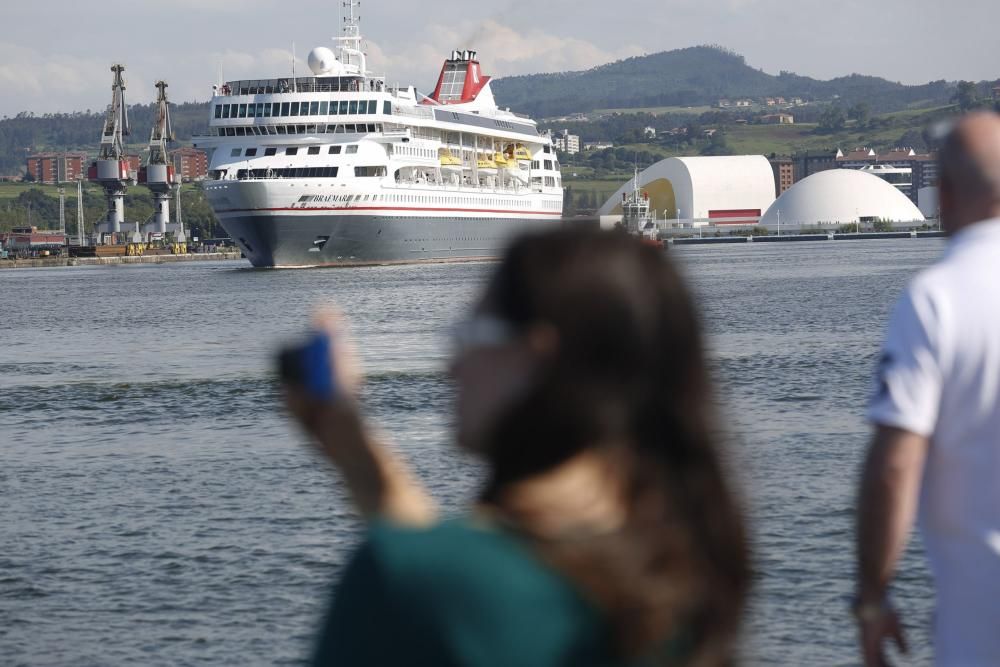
{"x":636,"y":217}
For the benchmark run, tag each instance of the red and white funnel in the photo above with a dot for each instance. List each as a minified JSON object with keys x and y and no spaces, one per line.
{"x":461,"y":79}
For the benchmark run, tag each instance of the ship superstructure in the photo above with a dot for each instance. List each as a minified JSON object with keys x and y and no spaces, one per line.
{"x":339,"y":168}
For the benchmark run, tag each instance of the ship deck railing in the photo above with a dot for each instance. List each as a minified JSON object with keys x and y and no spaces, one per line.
{"x":345,"y":84}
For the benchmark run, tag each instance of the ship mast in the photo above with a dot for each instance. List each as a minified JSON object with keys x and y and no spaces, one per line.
{"x":350,"y":41}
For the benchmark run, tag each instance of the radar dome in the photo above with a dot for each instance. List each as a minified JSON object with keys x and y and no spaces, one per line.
{"x":322,"y":60}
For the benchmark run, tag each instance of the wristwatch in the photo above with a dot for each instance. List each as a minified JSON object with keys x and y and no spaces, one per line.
{"x":869,"y":611}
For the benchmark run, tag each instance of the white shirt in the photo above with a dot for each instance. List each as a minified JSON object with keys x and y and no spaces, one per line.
{"x":939,"y":377}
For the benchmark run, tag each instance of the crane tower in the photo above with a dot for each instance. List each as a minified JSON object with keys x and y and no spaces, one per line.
{"x":111,"y":170}
{"x":158,"y":174}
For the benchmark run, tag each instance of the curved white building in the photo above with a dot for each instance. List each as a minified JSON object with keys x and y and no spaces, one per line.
{"x":719,"y":189}
{"x":839,"y":196}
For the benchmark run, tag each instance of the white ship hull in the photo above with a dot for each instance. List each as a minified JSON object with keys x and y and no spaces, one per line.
{"x":283,"y":241}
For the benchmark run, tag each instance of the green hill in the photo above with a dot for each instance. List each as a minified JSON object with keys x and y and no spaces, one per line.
{"x":27,"y":133}
{"x":696,"y":76}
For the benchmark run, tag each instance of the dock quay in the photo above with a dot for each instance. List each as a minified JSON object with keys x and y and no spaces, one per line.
{"x":49,"y":262}
{"x":793,"y":238}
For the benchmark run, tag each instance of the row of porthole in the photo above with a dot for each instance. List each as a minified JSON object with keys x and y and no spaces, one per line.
{"x":484,"y":238}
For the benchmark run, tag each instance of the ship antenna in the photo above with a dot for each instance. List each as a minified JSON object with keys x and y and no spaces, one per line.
{"x":294,"y":83}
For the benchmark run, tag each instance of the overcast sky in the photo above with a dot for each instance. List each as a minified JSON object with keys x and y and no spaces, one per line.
{"x":55,"y":54}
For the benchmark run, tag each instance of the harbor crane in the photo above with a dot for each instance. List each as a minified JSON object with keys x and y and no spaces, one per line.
{"x":111,"y":170}
{"x":158,"y":174}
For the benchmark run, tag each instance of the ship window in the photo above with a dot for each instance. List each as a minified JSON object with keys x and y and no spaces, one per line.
{"x":300,"y":129}
{"x":295,"y":109}
{"x":387,"y":108}
{"x":242,"y":111}
{"x":351,"y":150}
{"x":333,"y":108}
{"x":343,"y":107}
{"x":284,"y":108}
{"x":235,"y":152}
{"x":334,"y":150}
{"x":349,"y":128}
{"x":548,"y":164}
{"x":536,"y":164}
{"x":266,"y":110}
{"x":314,"y":108}
{"x":270,"y":151}
{"x":225,"y":110}
{"x":230,"y":131}
{"x":275,"y":109}
{"x":241,"y":132}
{"x":281,"y":129}
{"x":373,"y":106}
{"x":354,"y":107}
{"x":251,"y":152}
{"x":291,"y":151}
{"x":323,"y":108}
{"x":218,"y":111}
{"x":314,"y":150}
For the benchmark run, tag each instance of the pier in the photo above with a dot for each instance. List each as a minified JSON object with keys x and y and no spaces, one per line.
{"x":50,"y":262}
{"x":792,"y":238}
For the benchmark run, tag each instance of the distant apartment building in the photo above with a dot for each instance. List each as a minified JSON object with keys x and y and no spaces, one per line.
{"x":566,"y":142}
{"x":190,"y":164}
{"x":778,"y":119}
{"x":808,"y":163}
{"x":784,"y":173}
{"x":903,"y":168}
{"x":744,"y":103}
{"x":649,"y":132}
{"x":56,"y":167}
{"x":598,"y":146}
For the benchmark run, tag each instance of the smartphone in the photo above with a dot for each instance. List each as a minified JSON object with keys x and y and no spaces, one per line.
{"x":309,"y":366}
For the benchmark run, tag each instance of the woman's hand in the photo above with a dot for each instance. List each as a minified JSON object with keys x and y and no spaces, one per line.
{"x":378,"y":481}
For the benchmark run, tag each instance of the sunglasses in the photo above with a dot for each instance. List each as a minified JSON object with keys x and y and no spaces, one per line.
{"x":481,"y":331}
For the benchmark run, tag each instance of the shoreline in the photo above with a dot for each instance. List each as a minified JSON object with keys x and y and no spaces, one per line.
{"x":51,"y":262}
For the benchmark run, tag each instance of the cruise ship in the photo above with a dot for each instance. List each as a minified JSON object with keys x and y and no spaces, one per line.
{"x":340,"y":168}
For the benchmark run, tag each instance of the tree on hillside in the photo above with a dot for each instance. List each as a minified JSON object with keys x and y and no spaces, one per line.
{"x":861,"y":113}
{"x":833,"y":119}
{"x":717,"y":145}
{"x":966,"y":95}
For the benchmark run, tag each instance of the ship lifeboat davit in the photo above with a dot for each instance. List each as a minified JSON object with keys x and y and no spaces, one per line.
{"x":518,"y":152}
{"x":448,"y":159}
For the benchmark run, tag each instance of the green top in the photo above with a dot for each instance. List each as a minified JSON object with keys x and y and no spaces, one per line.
{"x":457,"y":593}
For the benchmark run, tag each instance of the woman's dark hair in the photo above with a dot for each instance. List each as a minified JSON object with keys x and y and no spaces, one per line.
{"x":628,"y":376}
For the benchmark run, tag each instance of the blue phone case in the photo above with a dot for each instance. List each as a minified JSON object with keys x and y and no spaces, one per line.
{"x":316,"y":364}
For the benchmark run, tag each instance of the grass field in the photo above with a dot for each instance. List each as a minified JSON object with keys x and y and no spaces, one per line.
{"x":12,"y":190}
{"x":656,"y":110}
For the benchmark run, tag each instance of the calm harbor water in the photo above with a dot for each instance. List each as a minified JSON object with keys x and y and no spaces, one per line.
{"x":159,"y":510}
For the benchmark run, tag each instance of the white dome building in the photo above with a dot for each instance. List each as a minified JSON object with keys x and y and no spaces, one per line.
{"x":839,"y":196}
{"x":720,"y":189}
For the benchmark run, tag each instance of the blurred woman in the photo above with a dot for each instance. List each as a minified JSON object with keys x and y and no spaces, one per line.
{"x":606,"y":533}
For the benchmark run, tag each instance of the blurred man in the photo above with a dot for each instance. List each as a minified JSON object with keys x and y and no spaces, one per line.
{"x":936,"y":413}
